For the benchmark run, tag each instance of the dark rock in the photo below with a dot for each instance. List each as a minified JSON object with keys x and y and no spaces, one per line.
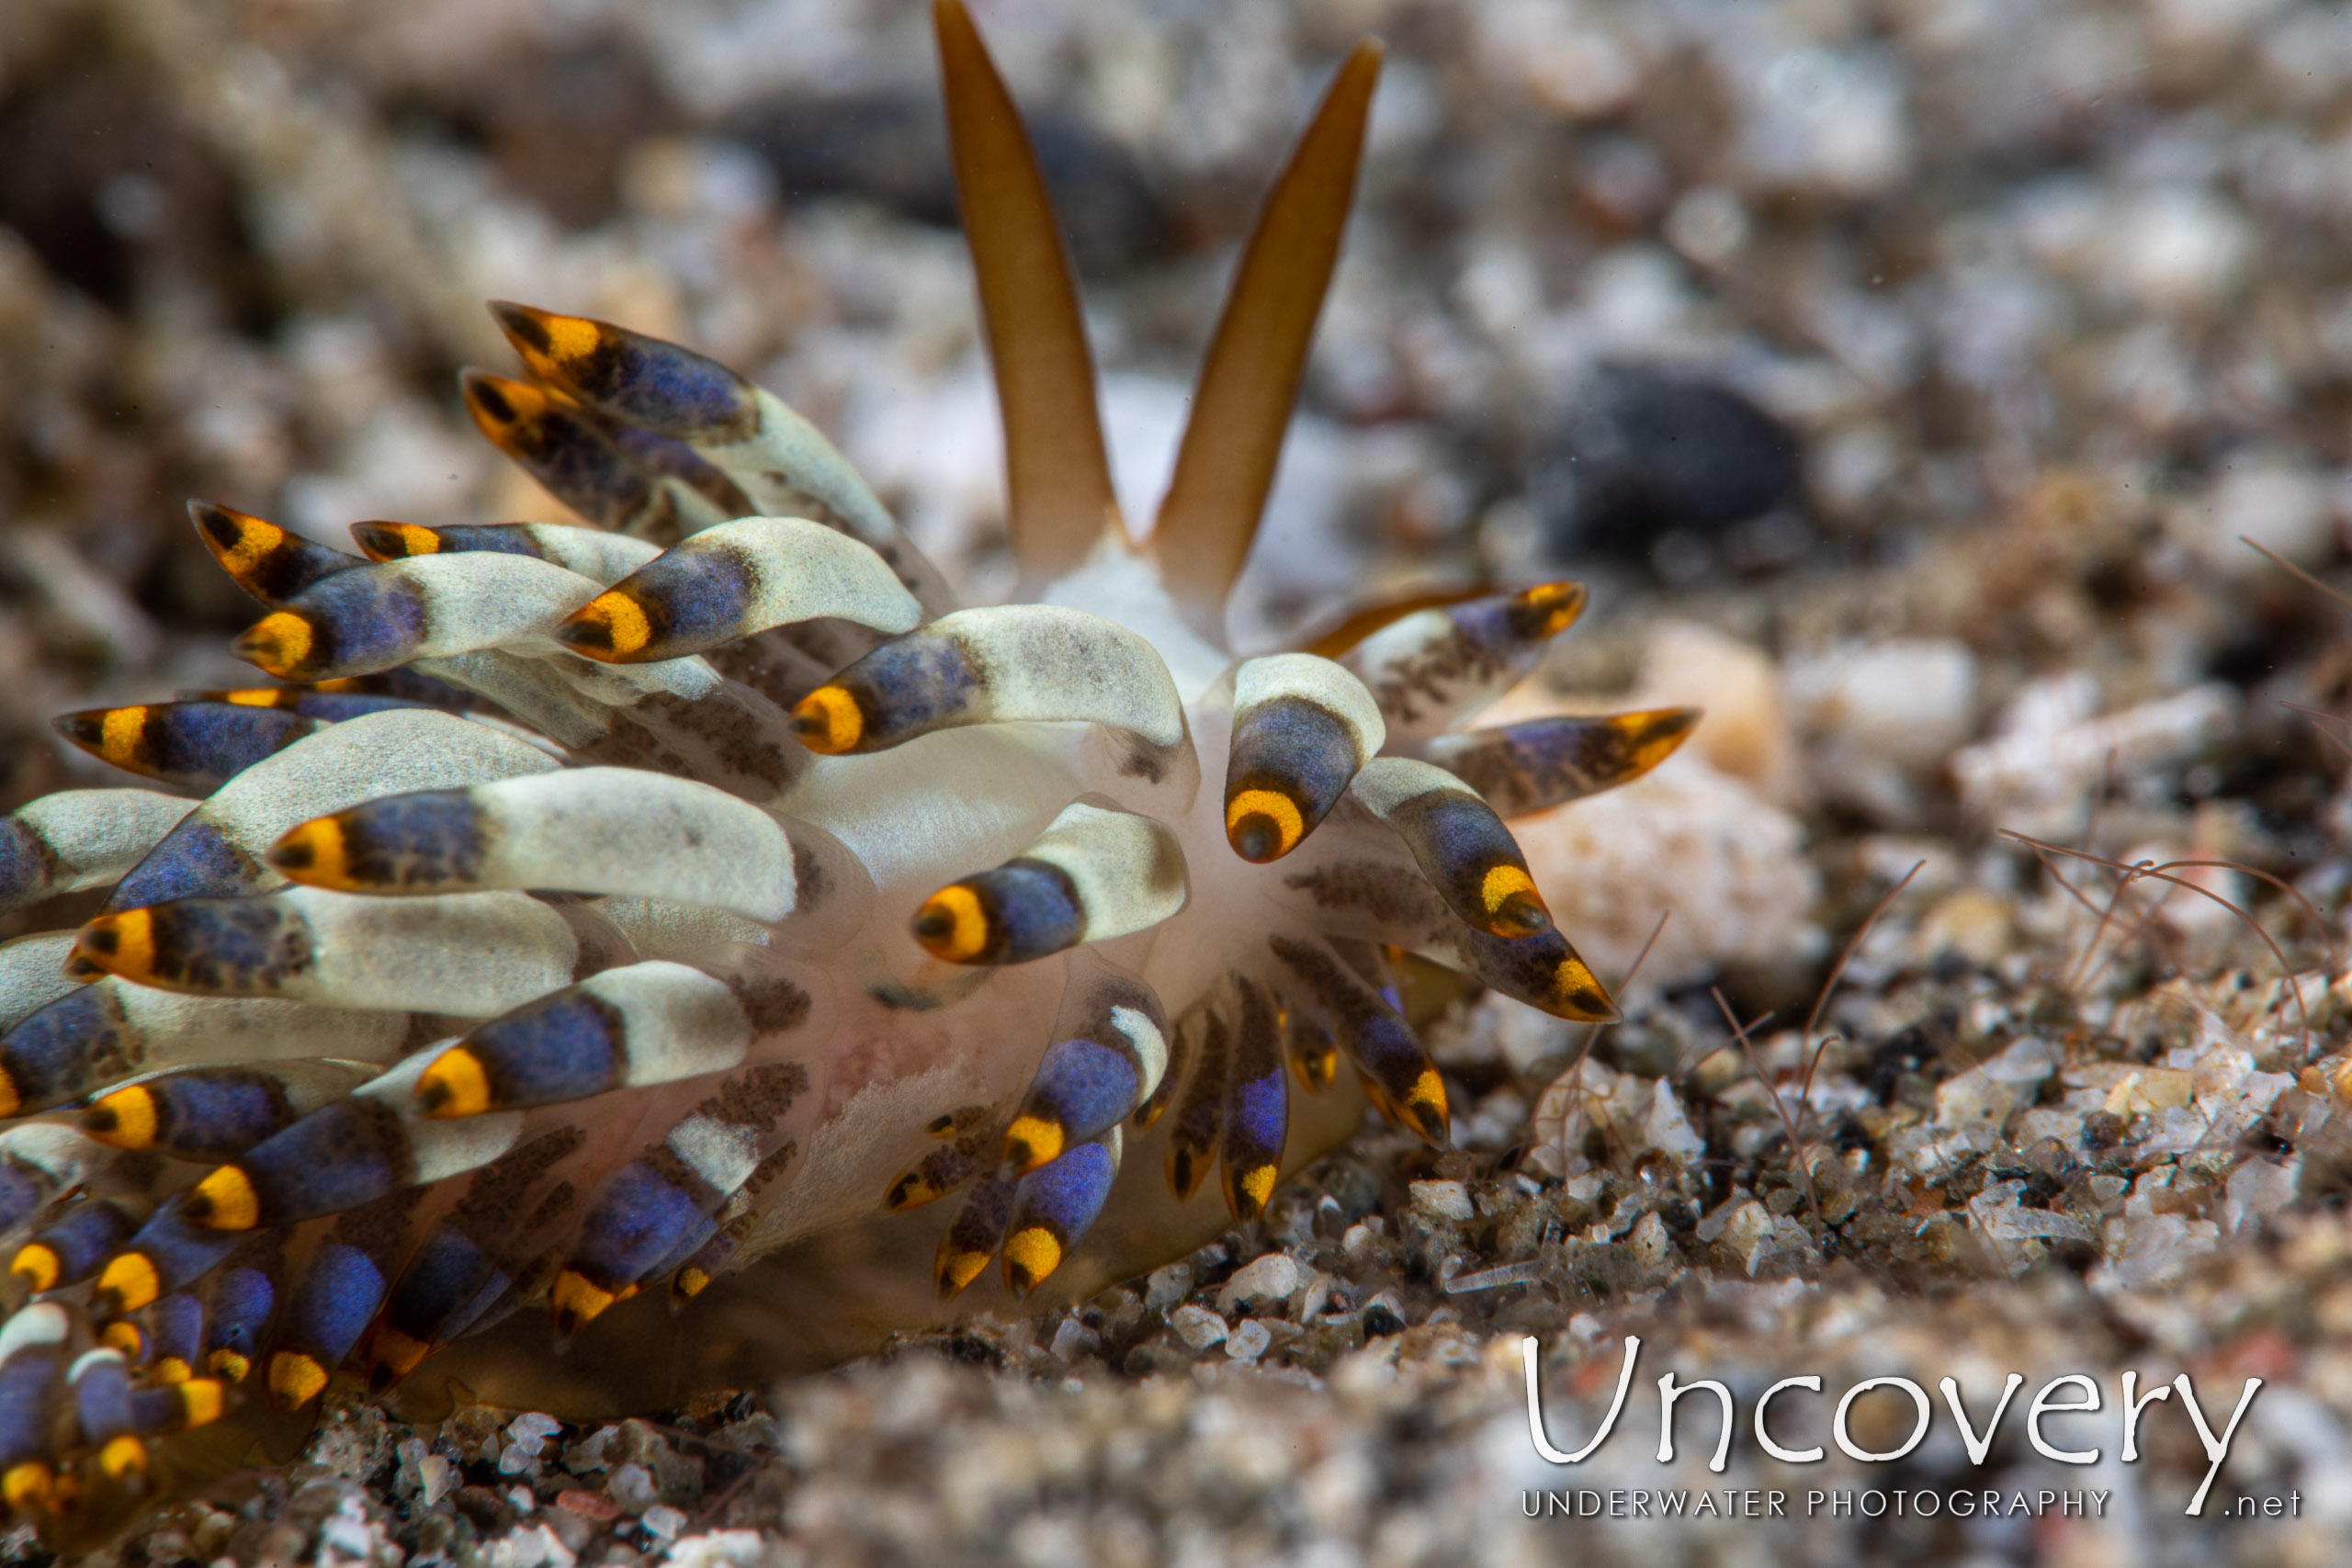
{"x":557,"y":122}
{"x":1650,"y":465}
{"x":108,"y":185}
{"x":890,"y":146}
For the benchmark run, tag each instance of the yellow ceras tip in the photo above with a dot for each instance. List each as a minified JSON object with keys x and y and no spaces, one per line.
{"x":1514,"y":906}
{"x":1187,"y":1169}
{"x":240,"y":539}
{"x":1423,"y":1107}
{"x":128,"y":1282}
{"x":611,"y":627}
{"x":123,"y":1457}
{"x":1251,"y":1190}
{"x":124,"y":1338}
{"x":1031,"y":1254}
{"x":393,"y":1356}
{"x":689,"y":1283}
{"x":295,"y":1379}
{"x":953,"y":924}
{"x":578,"y":1299}
{"x":1263,"y":825}
{"x":10,"y":1097}
{"x":497,"y":402}
{"x":316,"y":853}
{"x":1031,"y":1141}
{"x":229,"y":1366}
{"x":1549,"y":608}
{"x":203,"y":1400}
{"x":454,"y":1086}
{"x":36,"y":1265}
{"x":111,"y":735}
{"x":225,"y":1200}
{"x":121,"y":944}
{"x":125,"y":1119}
{"x":168,"y":1370}
{"x":829,"y":721}
{"x":395,"y":541}
{"x":912,"y":1190}
{"x":29,"y":1487}
{"x":548,"y":342}
{"x":279,"y":643}
{"x":1578,"y":994}
{"x":957,"y":1267}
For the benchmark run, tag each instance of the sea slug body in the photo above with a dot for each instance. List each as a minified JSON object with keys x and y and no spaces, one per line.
{"x":694,"y":910}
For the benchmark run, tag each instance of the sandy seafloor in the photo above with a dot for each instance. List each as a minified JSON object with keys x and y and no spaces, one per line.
{"x":1902,"y":377}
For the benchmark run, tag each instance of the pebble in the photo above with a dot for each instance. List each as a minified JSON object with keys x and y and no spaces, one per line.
{"x":1271,"y":1277}
{"x":1197,"y":1326}
{"x":588,"y":1505}
{"x":717,"y":1549}
{"x":1167,"y":1286}
{"x":2284,"y":505}
{"x":1643,"y":455}
{"x":1728,"y":863}
{"x":632,"y":1487}
{"x":1248,"y":1341}
{"x":1905,"y":701}
{"x":532,"y":1428}
{"x":1446,"y":1199}
{"x":662,"y":1520}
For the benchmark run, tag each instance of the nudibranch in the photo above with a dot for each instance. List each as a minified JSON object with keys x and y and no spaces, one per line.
{"x":692,"y":910}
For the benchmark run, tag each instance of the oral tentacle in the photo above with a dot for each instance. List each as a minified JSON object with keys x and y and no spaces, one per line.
{"x":1232,"y":443}
{"x":1060,"y":500}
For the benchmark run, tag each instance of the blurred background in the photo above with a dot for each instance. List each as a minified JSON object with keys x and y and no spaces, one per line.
{"x":1903,"y":375}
